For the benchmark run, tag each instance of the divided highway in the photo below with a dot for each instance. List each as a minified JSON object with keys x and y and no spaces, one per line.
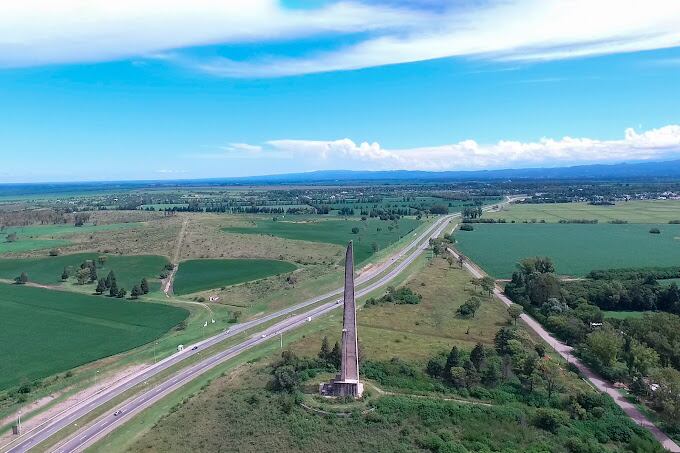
{"x":391,"y":268}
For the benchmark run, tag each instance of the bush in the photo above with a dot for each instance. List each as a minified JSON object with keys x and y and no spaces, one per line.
{"x":467,"y":227}
{"x":655,"y":231}
{"x":549,"y":419}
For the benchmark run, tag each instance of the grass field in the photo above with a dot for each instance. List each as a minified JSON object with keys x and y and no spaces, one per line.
{"x":129,"y":270}
{"x":575,"y":249}
{"x":418,"y":331}
{"x":623,"y":314}
{"x":647,"y":211}
{"x":197,"y":275}
{"x":41,"y":237}
{"x":46,"y":332}
{"x":336,"y":231}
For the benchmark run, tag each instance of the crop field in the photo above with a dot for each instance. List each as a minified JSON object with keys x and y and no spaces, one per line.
{"x":197,"y":275}
{"x":418,"y":331}
{"x":40,"y":237}
{"x":647,"y":211}
{"x":422,"y":203}
{"x":575,"y":249}
{"x":129,"y":270}
{"x":373,"y":234}
{"x":46,"y":332}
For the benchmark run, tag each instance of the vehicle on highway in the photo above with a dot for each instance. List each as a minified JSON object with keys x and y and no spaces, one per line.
{"x":263,"y":335}
{"x":118,"y":412}
{"x":194,"y":348}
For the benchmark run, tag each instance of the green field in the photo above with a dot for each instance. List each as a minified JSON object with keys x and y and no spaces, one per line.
{"x":41,"y":237}
{"x":647,"y":211}
{"x":575,"y":249}
{"x":129,"y":270}
{"x":197,"y":275}
{"x":336,"y":231}
{"x":46,"y":332}
{"x":623,"y":314}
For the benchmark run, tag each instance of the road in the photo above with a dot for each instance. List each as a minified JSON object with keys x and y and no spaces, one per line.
{"x":394,"y":266}
{"x":167,"y":286}
{"x":567,"y":353}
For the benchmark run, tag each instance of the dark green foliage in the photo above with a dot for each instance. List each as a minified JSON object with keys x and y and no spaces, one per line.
{"x":22,"y":279}
{"x":467,"y":227}
{"x":101,"y":286}
{"x":144,"y":286}
{"x":403,"y":295}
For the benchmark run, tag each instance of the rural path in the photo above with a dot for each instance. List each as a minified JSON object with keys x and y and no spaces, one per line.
{"x":88,"y":434}
{"x":167,"y":288}
{"x":567,"y":353}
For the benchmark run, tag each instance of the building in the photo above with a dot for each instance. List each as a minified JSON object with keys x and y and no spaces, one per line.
{"x":347,"y":382}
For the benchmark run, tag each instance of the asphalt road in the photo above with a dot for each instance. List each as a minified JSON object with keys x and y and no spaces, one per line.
{"x":86,"y":436}
{"x":566,"y":352}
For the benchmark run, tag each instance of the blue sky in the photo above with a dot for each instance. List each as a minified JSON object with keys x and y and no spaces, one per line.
{"x":273,"y":87}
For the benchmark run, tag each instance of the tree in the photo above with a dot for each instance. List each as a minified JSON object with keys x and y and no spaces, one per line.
{"x":515,"y":311}
{"x":121,"y":293}
{"x":110,"y":279}
{"x":325,"y":351}
{"x":335,"y":356}
{"x":551,"y":373}
{"x":488,"y":284}
{"x":478,"y":355}
{"x":469,"y":308}
{"x":113,"y":288}
{"x":101,"y":286}
{"x":286,"y":378}
{"x":136,"y":292}
{"x":641,"y":358}
{"x":102,"y":260}
{"x":667,"y":394}
{"x":82,"y":275}
{"x":355,"y":230}
{"x":435,"y":366}
{"x":476,"y":282}
{"x":144,"y":286}
{"x":461,"y":260}
{"x":22,"y":279}
{"x":93,"y":273}
{"x":457,"y":376}
{"x":452,"y":360}
{"x":11,"y":237}
{"x":605,"y":344}
{"x":64,"y":275}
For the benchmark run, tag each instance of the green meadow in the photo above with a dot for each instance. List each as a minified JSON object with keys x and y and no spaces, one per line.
{"x":129,"y":270}
{"x":373,"y":234}
{"x":198,"y":275}
{"x":41,"y":237}
{"x":636,"y":211}
{"x":46,"y":332}
{"x":576,"y":249}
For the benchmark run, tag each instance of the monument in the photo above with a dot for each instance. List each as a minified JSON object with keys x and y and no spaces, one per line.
{"x":347,"y":382}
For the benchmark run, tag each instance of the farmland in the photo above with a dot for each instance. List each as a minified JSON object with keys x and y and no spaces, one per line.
{"x":635,"y":211}
{"x":129,"y":270}
{"x":46,"y":332}
{"x":372,"y":234}
{"x":575,"y":249}
{"x":197,"y":275}
{"x":40,"y":237}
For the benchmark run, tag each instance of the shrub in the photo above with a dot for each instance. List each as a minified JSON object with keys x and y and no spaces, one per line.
{"x":467,"y":227}
{"x":549,"y":419}
{"x":655,"y":231}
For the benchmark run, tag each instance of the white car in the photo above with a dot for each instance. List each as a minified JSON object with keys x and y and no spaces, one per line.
{"x":264,"y":335}
{"x":118,"y":412}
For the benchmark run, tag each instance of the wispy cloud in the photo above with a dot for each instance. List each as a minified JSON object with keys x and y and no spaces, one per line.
{"x":661,"y":143}
{"x":35,"y":32}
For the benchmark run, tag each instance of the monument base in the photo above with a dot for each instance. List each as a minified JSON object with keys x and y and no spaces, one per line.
{"x":341,"y":388}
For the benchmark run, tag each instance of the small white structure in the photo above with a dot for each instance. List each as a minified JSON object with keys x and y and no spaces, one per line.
{"x":180,"y":348}
{"x":214,"y":298}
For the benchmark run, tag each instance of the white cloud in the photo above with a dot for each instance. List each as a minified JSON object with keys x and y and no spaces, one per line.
{"x":36,"y":32}
{"x":661,"y":143}
{"x":514,"y":30}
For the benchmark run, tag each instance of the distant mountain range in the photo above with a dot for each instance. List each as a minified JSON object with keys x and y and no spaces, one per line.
{"x":649,"y":171}
{"x":638,"y":170}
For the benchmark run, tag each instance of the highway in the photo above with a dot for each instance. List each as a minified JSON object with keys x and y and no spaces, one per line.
{"x":87,"y":435}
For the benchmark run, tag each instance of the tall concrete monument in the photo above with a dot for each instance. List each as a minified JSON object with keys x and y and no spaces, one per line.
{"x":347,"y":382}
